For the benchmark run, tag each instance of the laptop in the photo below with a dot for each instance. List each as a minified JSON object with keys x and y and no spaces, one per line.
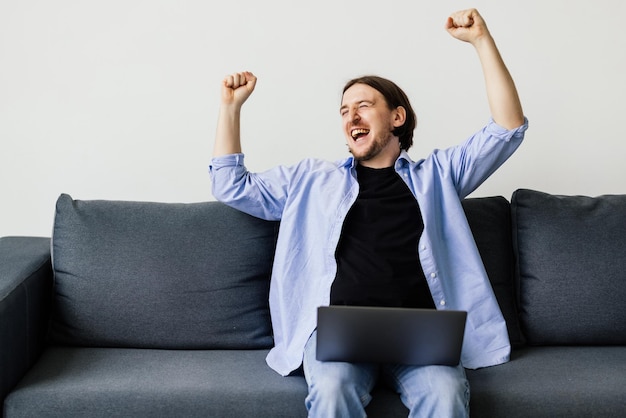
{"x":359,"y":334}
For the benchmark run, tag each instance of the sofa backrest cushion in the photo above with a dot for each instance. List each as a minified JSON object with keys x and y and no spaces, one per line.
{"x":489,"y":219}
{"x":160,"y":275}
{"x":571,"y":268}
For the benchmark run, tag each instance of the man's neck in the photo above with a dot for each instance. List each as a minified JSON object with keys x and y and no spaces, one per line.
{"x":380,"y":161}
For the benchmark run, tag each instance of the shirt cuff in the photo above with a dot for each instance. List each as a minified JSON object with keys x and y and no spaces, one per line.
{"x":229,"y":160}
{"x":506,"y":134}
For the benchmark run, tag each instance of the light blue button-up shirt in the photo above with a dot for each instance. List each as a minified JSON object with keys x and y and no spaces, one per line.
{"x":312,"y":198}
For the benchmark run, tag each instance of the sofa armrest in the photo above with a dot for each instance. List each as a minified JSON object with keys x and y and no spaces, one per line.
{"x":25,"y":295}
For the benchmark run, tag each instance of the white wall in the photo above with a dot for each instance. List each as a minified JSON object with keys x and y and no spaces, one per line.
{"x":118,"y":99}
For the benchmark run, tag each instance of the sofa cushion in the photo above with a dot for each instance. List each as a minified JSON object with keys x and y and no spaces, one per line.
{"x":547,"y":382}
{"x":160,"y":275}
{"x":490,"y":221}
{"x":571,"y":267}
{"x":119,"y":382}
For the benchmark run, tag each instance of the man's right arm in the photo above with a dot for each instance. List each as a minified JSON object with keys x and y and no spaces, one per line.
{"x":236,"y":88}
{"x":231,"y":182}
{"x":504,"y":103}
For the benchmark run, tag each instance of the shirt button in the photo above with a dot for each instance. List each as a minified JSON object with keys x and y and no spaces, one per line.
{"x":433,"y":275}
{"x":442,"y":302}
{"x":423,"y":247}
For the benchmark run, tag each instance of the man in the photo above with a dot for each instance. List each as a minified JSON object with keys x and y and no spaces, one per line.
{"x":378,"y":229}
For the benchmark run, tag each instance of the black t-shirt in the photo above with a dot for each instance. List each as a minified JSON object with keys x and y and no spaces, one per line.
{"x":377,"y":259}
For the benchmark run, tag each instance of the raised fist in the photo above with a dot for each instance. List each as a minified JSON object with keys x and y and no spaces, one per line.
{"x":467,"y":25}
{"x":237,"y":87}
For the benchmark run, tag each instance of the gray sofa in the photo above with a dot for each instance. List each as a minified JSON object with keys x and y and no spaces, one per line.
{"x":138,"y":309}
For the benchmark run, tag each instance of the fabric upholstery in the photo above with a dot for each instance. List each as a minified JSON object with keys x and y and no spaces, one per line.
{"x":160,"y":275}
{"x":489,"y":219}
{"x":571,"y":267}
{"x":25,"y":283}
{"x":117,"y":382}
{"x":548,"y":382}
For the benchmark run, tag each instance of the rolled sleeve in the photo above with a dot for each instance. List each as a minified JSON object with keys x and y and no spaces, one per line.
{"x":224,"y":171}
{"x":500,"y":132}
{"x":257,"y":194}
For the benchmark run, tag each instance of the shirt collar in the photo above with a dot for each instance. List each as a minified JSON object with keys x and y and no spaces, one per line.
{"x":403,"y":159}
{"x":347,"y":162}
{"x":404,"y":156}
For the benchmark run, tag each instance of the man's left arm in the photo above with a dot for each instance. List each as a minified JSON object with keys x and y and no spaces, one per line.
{"x":504,"y":103}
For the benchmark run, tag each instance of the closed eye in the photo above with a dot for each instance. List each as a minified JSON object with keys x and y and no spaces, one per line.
{"x":343,"y":111}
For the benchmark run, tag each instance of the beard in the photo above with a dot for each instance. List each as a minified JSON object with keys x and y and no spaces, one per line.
{"x":375,"y":147}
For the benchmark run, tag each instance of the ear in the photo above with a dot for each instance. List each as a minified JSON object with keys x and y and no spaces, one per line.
{"x":399,"y":116}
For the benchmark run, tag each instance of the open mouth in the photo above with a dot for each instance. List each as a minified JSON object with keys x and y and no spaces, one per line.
{"x":359,"y":133}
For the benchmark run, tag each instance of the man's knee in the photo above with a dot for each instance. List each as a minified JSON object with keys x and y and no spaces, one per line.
{"x":452,"y":389}
{"x":434,"y":391}
{"x":338,"y":388}
{"x":337,"y":394}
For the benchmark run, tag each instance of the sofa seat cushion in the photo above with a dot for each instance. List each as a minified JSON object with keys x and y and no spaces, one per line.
{"x":552,"y":382}
{"x":571,"y":267}
{"x":118,"y":382}
{"x":160,"y":275}
{"x":115,"y":382}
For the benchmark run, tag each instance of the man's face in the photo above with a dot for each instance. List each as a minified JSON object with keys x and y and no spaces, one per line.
{"x":368,"y":126}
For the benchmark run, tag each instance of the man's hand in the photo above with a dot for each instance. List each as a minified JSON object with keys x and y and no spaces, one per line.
{"x":467,"y":25}
{"x":237,"y":87}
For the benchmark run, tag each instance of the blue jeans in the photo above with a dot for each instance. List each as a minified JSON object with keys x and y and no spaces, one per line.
{"x":339,"y":389}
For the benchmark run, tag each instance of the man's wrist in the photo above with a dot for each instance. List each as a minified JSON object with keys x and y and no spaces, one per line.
{"x":484,"y":41}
